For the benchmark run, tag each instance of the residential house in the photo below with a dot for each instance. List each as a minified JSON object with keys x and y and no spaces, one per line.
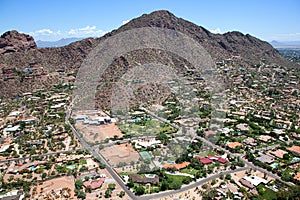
{"x":297,"y":177}
{"x":265,"y":138}
{"x":282,"y":123}
{"x":279,"y":153}
{"x":14,"y":114}
{"x":255,"y":180}
{"x":205,"y":161}
{"x":177,"y":166}
{"x":218,"y":159}
{"x":246,"y":183}
{"x":233,"y":145}
{"x":265,"y":158}
{"x":250,"y":141}
{"x":94,"y":184}
{"x":29,"y":120}
{"x":211,"y":159}
{"x":294,"y":149}
{"x":144,"y":144}
{"x":12,"y":195}
{"x":210,"y":132}
{"x":243,"y":127}
{"x":80,"y":118}
{"x":148,"y":179}
{"x":13,"y":129}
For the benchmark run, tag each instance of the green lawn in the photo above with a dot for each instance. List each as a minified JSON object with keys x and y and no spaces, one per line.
{"x":126,"y":173}
{"x":189,"y":171}
{"x":267,"y":194}
{"x":151,"y":127}
{"x":176,"y":178}
{"x":82,"y":162}
{"x":207,"y":153}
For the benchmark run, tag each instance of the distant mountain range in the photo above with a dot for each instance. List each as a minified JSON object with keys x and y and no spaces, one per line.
{"x":287,"y":44}
{"x":58,"y":43}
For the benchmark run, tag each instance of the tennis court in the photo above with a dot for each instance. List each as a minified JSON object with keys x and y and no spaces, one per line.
{"x":145,"y":155}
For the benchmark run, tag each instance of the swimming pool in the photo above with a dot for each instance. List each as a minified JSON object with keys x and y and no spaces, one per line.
{"x":295,"y":159}
{"x":71,"y":167}
{"x":32,"y":168}
{"x":150,"y":175}
{"x":274,"y":165}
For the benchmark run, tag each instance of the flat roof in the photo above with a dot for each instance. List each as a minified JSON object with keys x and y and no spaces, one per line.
{"x":255,"y":180}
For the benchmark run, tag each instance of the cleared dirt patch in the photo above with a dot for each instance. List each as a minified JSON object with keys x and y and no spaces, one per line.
{"x":120,"y":153}
{"x":96,"y":134}
{"x":55,"y":186}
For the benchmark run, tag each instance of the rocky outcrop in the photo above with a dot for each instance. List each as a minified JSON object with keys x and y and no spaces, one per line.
{"x":13,"y":41}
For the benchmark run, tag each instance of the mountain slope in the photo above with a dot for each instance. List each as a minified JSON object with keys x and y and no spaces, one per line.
{"x":220,"y":46}
{"x":46,"y":61}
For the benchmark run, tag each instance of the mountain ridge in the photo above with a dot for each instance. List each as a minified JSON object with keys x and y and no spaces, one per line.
{"x":46,"y":61}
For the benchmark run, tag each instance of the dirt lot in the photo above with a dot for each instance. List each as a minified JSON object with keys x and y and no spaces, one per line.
{"x":56,"y":185}
{"x":95,"y":134}
{"x":120,"y":153}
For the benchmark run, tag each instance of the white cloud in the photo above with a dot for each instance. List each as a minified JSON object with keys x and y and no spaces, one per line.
{"x":48,"y":34}
{"x":125,"y":22}
{"x":88,"y":28}
{"x":44,"y":31}
{"x":217,"y":30}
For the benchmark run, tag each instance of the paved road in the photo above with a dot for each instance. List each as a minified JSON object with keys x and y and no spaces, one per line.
{"x":98,"y":156}
{"x":190,"y":186}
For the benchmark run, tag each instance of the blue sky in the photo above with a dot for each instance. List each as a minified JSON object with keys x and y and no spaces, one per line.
{"x":55,"y":19}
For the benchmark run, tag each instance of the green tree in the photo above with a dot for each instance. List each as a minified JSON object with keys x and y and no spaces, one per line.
{"x":164,"y":185}
{"x":111,"y":186}
{"x":213,"y":182}
{"x":140,"y":190}
{"x":44,"y":175}
{"x":81,"y":195}
{"x":163,"y":138}
{"x":78,"y":184}
{"x":228,"y":176}
{"x":108,"y":193}
{"x":122,"y":194}
{"x":130,"y":183}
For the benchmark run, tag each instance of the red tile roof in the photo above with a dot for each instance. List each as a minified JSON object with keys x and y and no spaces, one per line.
{"x":94,"y":184}
{"x":210,"y":132}
{"x":205,"y":160}
{"x":177,"y":166}
{"x":222,"y":160}
{"x":297,"y":177}
{"x":233,"y":145}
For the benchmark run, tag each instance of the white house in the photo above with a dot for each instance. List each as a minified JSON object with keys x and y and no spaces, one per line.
{"x":255,"y":180}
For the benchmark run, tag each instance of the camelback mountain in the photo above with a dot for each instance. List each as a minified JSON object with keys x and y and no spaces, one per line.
{"x":25,"y":67}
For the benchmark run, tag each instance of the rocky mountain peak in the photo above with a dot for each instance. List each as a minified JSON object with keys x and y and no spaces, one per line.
{"x":13,"y":41}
